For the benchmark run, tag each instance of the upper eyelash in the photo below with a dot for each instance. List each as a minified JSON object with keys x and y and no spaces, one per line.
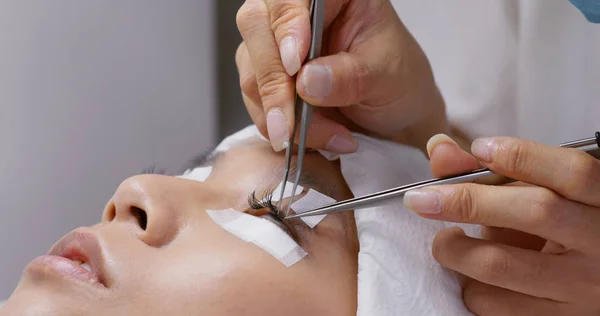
{"x":266,"y":201}
{"x":154,"y":170}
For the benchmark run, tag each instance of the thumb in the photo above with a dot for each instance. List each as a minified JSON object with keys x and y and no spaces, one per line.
{"x":447,"y":158}
{"x":325,"y":133}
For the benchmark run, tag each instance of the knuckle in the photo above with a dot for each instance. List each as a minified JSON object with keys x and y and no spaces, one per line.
{"x":493,"y":265}
{"x":360,"y":74}
{"x":546,"y":210}
{"x":248,"y":83}
{"x":463,"y":204}
{"x":250,"y":15}
{"x":517,"y":155}
{"x":284,"y":13}
{"x":271,"y":82}
{"x":583,"y":171}
{"x":239,"y":53}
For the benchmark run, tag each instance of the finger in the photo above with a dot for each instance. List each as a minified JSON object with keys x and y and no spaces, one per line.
{"x":338,"y":80}
{"x":275,"y":86}
{"x":513,"y":238}
{"x":524,"y":271}
{"x":486,"y":300}
{"x":447,"y":158}
{"x":533,"y":210}
{"x":290,"y":22}
{"x":247,"y":77}
{"x":257,"y":115}
{"x":324,"y":133}
{"x":570,"y":172}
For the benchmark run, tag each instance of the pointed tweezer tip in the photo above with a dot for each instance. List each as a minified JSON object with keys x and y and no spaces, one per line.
{"x":293,"y":216}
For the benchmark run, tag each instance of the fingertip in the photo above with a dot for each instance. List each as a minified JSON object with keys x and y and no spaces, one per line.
{"x":342,"y":144}
{"x":447,"y":158}
{"x":315,"y":82}
{"x":278,"y":129}
{"x":290,"y":55}
{"x":437,"y":140}
{"x":327,"y":134}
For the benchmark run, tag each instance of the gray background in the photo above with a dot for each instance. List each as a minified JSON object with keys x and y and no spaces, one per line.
{"x":92,"y":92}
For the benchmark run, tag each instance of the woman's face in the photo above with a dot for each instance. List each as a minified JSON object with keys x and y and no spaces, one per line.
{"x":157,"y":252}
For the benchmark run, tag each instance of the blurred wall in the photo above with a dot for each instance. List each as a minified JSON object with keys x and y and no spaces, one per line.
{"x":92,"y":92}
{"x":232,"y":112}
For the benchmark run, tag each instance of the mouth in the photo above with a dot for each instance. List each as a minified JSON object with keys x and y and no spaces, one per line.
{"x":77,"y":256}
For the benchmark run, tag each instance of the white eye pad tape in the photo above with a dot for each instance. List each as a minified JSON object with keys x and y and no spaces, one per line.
{"x":312,"y":200}
{"x":261,"y":232}
{"x":199,"y":174}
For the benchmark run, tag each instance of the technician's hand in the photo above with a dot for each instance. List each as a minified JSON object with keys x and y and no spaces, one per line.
{"x":512,"y":272}
{"x":374,"y":77}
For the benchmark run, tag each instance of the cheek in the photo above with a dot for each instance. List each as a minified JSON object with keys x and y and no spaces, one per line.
{"x":213,"y":272}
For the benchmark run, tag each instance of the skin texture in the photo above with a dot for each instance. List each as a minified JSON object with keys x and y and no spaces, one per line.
{"x":380,"y":81}
{"x":538,"y":254}
{"x":185,"y":264}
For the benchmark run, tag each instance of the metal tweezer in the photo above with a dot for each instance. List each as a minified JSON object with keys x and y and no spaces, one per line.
{"x":590,"y":145}
{"x":303,"y":113}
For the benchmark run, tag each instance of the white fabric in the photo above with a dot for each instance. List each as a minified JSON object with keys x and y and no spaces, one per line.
{"x":397,"y":274}
{"x":528,"y":68}
{"x":311,"y":201}
{"x":199,"y":174}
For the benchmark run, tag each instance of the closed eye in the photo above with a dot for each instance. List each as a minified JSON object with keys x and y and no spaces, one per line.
{"x":264,"y":208}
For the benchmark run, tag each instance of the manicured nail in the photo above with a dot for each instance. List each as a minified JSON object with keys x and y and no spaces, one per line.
{"x":317,"y":81}
{"x":484,"y":149}
{"x":289,"y":55}
{"x":423,"y":201}
{"x":439,"y":139}
{"x":278,"y":129}
{"x":341,"y":144}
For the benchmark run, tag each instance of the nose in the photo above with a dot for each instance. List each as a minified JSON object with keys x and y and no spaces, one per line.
{"x":144,"y":206}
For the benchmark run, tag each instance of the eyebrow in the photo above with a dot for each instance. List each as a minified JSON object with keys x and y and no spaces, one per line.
{"x":207,"y":157}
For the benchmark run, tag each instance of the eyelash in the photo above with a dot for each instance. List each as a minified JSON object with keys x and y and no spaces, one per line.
{"x":266,"y":202}
{"x":154,"y":170}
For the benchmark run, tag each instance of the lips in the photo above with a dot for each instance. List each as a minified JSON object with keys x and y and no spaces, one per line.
{"x":79,"y":256}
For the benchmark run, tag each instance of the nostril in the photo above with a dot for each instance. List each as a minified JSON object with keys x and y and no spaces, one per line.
{"x":110,"y":213}
{"x":141,"y":216}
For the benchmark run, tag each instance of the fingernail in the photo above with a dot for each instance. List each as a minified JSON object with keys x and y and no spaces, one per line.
{"x":289,"y":55}
{"x":484,"y":149}
{"x":341,"y":144}
{"x":278,"y":129}
{"x":438,"y":140}
{"x":317,"y":81}
{"x":423,"y":201}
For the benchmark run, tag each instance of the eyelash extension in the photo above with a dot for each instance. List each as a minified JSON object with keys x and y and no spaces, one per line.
{"x":266,"y":202}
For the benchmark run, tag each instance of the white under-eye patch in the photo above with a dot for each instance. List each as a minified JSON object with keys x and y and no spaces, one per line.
{"x":289,"y":186}
{"x":261,"y":232}
{"x":197,"y":174}
{"x":312,"y":200}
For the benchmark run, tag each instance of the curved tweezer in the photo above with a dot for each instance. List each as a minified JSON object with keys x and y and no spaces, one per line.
{"x":589,"y":145}
{"x":303,"y":113}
